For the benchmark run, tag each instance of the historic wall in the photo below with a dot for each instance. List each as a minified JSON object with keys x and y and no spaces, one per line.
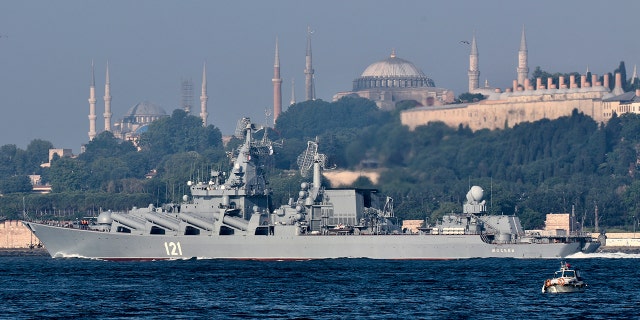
{"x":498,"y":114}
{"x":15,"y":235}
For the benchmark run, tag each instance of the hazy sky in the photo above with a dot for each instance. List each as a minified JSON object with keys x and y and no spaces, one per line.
{"x":46,"y":49}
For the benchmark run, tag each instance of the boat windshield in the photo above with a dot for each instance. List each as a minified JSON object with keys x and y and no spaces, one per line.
{"x":565,"y":273}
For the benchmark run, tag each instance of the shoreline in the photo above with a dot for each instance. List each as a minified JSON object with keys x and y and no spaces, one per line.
{"x":23,"y":252}
{"x":618,"y":249}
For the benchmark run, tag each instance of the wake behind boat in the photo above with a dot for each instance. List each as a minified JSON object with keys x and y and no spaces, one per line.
{"x":230,"y":217}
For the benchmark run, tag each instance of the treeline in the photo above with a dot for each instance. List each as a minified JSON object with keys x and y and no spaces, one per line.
{"x":571,"y":164}
{"x":112,"y":174}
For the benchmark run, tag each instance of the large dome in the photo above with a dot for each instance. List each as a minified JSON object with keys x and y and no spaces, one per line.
{"x":391,"y":74}
{"x":393,"y":67}
{"x":145,"y":108}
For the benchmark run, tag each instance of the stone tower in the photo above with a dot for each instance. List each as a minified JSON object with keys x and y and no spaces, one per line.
{"x":523,"y":68}
{"x":474,"y":71}
{"x":203,"y":96}
{"x":308,"y":70}
{"x":107,"y":101}
{"x":277,"y":86}
{"x":92,"y":105}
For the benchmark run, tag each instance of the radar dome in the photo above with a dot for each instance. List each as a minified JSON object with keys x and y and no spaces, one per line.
{"x":105,"y":217}
{"x":475,"y":194}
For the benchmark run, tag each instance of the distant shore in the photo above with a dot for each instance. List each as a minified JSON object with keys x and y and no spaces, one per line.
{"x":612,"y":249}
{"x":22,"y":252}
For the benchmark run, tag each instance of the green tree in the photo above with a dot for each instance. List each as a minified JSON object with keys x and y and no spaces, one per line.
{"x":179,"y":133}
{"x":67,"y":174}
{"x":470,"y":97}
{"x":37,"y":153}
{"x":18,"y":183}
{"x":623,"y":74}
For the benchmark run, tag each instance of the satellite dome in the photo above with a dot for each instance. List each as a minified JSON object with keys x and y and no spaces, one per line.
{"x":104,"y":218}
{"x":475,"y":194}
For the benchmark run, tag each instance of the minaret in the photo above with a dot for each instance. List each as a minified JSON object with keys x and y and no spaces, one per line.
{"x":523,"y":68}
{"x":107,"y":102}
{"x":308,"y":70}
{"x":203,"y":96}
{"x":293,"y":92}
{"x":634,"y":76}
{"x":474,"y":71}
{"x":92,"y":105}
{"x":277,"y":86}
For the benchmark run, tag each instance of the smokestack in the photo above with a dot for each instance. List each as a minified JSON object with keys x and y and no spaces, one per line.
{"x":550,"y":83}
{"x":583,"y":81}
{"x":572,"y":81}
{"x":606,"y":81}
{"x":561,"y":84}
{"x":538,"y":83}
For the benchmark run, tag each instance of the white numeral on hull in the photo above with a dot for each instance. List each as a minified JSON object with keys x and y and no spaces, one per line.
{"x":173,"y":248}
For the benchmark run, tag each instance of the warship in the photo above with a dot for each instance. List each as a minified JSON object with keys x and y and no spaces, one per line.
{"x":230,"y":215}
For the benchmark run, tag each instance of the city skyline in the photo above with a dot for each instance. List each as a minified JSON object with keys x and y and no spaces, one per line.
{"x":151,"y":46}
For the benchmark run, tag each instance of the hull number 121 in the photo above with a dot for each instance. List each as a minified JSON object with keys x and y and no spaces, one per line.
{"x":173,"y":248}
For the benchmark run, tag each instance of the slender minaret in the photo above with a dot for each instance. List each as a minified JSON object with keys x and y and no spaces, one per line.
{"x":308,"y":70}
{"x":92,"y":105}
{"x":523,"y":68}
{"x":277,"y":86}
{"x":634,"y":76}
{"x":203,"y":96}
{"x":293,"y":92}
{"x":107,"y":102}
{"x":474,"y":71}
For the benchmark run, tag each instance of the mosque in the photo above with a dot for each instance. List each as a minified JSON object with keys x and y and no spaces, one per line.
{"x":139,"y":116}
{"x":394,"y":79}
{"x":524,"y":101}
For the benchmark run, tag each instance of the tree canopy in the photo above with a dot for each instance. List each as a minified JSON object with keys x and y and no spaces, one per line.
{"x":571,"y":164}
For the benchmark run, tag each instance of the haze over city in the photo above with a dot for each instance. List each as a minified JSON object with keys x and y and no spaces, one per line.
{"x":46,"y":51}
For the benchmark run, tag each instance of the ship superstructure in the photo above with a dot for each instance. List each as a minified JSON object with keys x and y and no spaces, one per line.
{"x":231,"y":216}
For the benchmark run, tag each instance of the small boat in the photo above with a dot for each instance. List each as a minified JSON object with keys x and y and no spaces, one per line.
{"x":565,"y":280}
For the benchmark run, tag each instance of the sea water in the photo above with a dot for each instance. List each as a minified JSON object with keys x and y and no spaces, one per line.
{"x":38,"y":287}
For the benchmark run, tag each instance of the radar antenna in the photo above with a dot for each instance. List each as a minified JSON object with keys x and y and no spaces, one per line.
{"x":241,"y":126}
{"x":309,"y":156}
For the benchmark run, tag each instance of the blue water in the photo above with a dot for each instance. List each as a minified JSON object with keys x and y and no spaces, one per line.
{"x":39,"y":287}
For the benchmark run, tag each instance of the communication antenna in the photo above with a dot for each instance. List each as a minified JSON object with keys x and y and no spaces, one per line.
{"x":187,"y":95}
{"x":267,"y":115}
{"x":308,"y":157}
{"x":242,"y":124}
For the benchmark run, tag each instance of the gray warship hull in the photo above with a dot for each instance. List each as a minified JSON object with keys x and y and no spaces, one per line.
{"x":230,"y":216}
{"x":68,"y":242}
